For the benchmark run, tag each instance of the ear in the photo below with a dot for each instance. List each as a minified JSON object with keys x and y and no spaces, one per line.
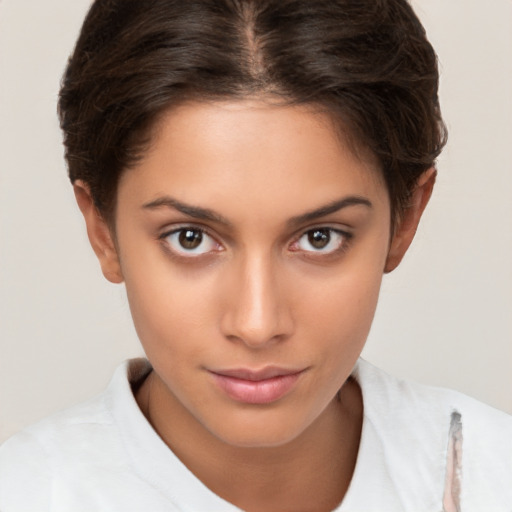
{"x":99,"y":234}
{"x":406,"y":229}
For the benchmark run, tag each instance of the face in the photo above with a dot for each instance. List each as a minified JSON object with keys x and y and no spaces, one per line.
{"x":252,"y":243}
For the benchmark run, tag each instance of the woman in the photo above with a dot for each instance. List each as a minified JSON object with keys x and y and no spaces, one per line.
{"x":250,"y":170}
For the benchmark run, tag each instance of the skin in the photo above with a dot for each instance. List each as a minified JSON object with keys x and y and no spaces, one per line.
{"x":256,"y":292}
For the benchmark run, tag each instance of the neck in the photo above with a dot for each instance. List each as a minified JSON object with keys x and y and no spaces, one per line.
{"x":310,"y":473}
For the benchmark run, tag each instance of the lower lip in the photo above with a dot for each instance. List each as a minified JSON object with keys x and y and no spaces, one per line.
{"x":257,"y":392}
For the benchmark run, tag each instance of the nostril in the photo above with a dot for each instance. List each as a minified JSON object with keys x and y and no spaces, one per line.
{"x":257,"y":337}
{"x":257,"y":330}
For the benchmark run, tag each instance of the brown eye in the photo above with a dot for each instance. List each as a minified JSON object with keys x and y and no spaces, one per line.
{"x":319,"y":238}
{"x":190,"y":238}
{"x":191,"y":241}
{"x":322,"y":241}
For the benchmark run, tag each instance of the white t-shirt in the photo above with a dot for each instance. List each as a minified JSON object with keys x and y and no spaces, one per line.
{"x":103,"y":455}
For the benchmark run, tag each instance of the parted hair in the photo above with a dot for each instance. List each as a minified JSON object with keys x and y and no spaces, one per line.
{"x":367,"y":63}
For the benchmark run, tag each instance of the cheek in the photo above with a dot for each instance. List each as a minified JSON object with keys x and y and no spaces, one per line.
{"x":340,"y":312}
{"x":166,"y":308}
{"x":167,"y":303}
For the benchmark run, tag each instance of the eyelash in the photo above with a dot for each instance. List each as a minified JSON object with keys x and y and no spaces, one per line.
{"x":343,"y":243}
{"x":344,"y":239}
{"x":184,"y":253}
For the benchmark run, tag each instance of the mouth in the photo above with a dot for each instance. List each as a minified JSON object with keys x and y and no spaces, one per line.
{"x":257,"y":386}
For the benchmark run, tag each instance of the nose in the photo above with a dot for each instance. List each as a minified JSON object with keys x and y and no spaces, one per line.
{"x":259,"y":311}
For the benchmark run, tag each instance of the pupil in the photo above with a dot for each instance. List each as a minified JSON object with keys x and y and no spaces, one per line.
{"x":319,"y":238}
{"x":190,"y":239}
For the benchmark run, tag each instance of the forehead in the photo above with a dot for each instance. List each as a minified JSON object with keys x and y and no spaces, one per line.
{"x":221,"y":153}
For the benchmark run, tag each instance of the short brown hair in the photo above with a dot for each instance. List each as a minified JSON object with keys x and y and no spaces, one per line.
{"x":367,"y":62}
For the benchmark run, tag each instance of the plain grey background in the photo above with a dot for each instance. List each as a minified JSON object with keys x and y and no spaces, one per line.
{"x":445,"y":316}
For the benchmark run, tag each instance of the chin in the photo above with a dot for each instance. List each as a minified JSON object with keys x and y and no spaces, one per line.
{"x":265,"y":433}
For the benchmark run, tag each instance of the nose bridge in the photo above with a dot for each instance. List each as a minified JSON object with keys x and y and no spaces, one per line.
{"x":258,"y":313}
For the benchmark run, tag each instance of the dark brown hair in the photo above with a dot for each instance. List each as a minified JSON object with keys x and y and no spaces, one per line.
{"x":367,"y":62}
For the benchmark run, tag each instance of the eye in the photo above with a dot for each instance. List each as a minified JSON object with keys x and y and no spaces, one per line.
{"x":321,"y":241}
{"x":190,"y":241}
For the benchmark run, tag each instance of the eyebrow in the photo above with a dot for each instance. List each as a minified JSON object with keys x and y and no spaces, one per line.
{"x":192,"y":211}
{"x":329,"y":208}
{"x":206,"y":214}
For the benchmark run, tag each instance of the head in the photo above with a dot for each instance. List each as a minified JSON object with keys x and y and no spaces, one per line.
{"x":250,"y":169}
{"x":367,"y":64}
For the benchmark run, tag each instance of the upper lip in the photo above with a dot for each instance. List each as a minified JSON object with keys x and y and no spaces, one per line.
{"x":266,"y":373}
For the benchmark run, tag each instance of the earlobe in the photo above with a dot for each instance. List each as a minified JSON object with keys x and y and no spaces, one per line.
{"x":99,"y":234}
{"x":406,"y":229}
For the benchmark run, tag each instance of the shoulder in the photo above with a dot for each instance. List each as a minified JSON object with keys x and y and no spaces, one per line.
{"x":61,"y":450}
{"x":24,"y":474}
{"x":395,"y":390}
{"x":38,"y":456}
{"x":394,"y":398}
{"x":416,"y":424}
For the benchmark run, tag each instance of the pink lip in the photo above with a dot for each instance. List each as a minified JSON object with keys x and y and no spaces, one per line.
{"x":256,"y":387}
